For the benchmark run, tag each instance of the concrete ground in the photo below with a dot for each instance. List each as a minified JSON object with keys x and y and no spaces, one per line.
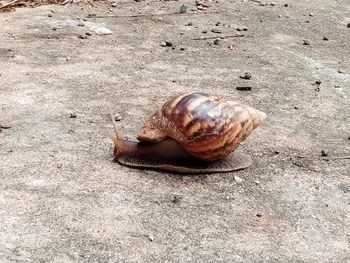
{"x":62,"y":199}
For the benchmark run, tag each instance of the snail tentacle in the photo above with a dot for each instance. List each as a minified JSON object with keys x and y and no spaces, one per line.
{"x":121,"y":146}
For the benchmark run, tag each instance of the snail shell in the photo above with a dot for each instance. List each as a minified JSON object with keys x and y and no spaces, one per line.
{"x":191,"y":133}
{"x":207,"y":127}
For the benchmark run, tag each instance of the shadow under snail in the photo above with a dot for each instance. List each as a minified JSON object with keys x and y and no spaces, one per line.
{"x":191,"y":133}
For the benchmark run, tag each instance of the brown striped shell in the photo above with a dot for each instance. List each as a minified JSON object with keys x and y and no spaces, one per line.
{"x":207,"y":127}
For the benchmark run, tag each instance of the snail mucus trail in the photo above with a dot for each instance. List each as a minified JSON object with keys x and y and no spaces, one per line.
{"x":191,"y":133}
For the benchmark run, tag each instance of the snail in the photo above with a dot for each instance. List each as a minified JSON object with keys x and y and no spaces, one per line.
{"x":191,"y":133}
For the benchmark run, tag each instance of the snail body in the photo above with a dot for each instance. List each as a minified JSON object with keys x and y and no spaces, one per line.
{"x":191,"y":133}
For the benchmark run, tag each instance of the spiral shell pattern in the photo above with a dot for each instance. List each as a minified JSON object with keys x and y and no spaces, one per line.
{"x":207,"y":127}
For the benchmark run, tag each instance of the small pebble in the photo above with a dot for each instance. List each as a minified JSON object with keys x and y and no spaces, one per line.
{"x":277,"y":152}
{"x":306,"y":42}
{"x":67,"y":58}
{"x":285,"y":5}
{"x":54,"y":28}
{"x":238,"y":179}
{"x":150,"y":237}
{"x":72,"y":115}
{"x":183,"y":9}
{"x":88,"y":34}
{"x":204,"y":31}
{"x":50,"y":15}
{"x":272,"y":4}
{"x":311,"y":14}
{"x":259,"y":215}
{"x":217,"y":31}
{"x":189,"y":24}
{"x":318,"y":82}
{"x":175,"y":198}
{"x":217,"y":41}
{"x":244,"y":88}
{"x":324,"y":153}
{"x":279,"y":16}
{"x":257,"y":182}
{"x":325,"y":38}
{"x":117,"y":117}
{"x":242,"y":28}
{"x":114,"y":4}
{"x":81,"y":24}
{"x":246,"y":75}
{"x":5,"y":126}
{"x":348,"y":25}
{"x":218,"y":24}
{"x":166,"y":44}
{"x":103,"y":31}
{"x":182,"y":48}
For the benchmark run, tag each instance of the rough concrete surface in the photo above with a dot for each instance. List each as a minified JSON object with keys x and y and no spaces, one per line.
{"x":64,"y":200}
